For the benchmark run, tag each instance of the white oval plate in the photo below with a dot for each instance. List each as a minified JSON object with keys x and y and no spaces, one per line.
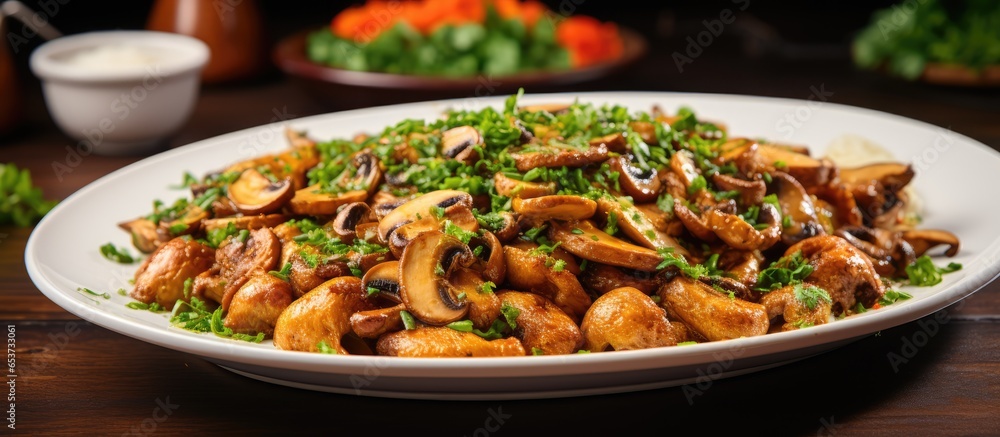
{"x":62,"y":254}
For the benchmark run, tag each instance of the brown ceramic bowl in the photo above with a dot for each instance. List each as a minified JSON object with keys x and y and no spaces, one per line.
{"x":345,"y":88}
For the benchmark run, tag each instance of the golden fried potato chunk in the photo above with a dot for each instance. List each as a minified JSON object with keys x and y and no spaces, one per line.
{"x":624,"y":319}
{"x":542,"y":325}
{"x":443,"y":342}
{"x":161,"y":277}
{"x":322,"y":314}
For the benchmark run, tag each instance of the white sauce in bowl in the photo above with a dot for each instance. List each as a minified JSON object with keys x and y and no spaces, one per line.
{"x":115,"y":57}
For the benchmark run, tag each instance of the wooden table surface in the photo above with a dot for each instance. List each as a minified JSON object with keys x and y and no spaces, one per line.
{"x":80,"y":378}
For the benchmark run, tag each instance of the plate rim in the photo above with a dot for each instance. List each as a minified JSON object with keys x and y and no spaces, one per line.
{"x":205,"y":346}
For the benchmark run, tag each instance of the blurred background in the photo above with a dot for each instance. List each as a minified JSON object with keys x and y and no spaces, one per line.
{"x":771,"y":48}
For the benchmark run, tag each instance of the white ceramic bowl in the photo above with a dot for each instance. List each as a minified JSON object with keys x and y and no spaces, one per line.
{"x":137,"y":89}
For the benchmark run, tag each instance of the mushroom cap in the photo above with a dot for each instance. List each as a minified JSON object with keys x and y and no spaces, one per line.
{"x":425,"y":272}
{"x":642,"y":185}
{"x":254,"y":193}
{"x":421,"y":206}
{"x":383,"y":277}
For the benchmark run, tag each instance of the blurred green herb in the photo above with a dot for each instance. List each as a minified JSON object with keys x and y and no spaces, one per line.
{"x":21,"y":203}
{"x":903,"y":38}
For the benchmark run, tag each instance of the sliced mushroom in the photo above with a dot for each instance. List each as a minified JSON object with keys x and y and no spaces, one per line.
{"x":663,"y":221}
{"x":460,"y":143}
{"x":556,"y":156}
{"x":526,"y":135}
{"x":291,"y":164}
{"x":887,"y":250}
{"x":672,"y":184}
{"x":836,"y":207}
{"x":383,"y":279}
{"x":257,"y":305}
{"x":295,"y":162}
{"x":509,"y":229}
{"x":383,"y":202}
{"x":542,"y":325}
{"x":593,"y":244}
{"x":751,"y":192}
{"x":322,"y":315}
{"x":420,"y":207}
{"x":646,"y":131}
{"x":807,"y":170}
{"x":682,"y":164}
{"x":797,"y":206}
{"x":509,"y":187}
{"x":367,"y":172}
{"x":374,"y":323}
{"x":425,"y":271}
{"x":457,"y":216}
{"x":892,"y":175}
{"x":298,"y":139}
{"x":144,"y":235}
{"x":693,"y":222}
{"x":491,"y":259}
{"x":642,"y":185}
{"x":924,"y":239}
{"x":355,"y":184}
{"x":367,"y":232}
{"x":636,"y":223}
{"x":556,"y":207}
{"x":614,"y":142}
{"x":551,"y":108}
{"x":188,"y":222}
{"x":739,"y":234}
{"x":752,"y":158}
{"x":161,"y":277}
{"x":626,"y":319}
{"x":877,"y":191}
{"x":530,"y":269}
{"x":711,"y":314}
{"x":249,"y":222}
{"x":222,"y":207}
{"x":349,"y":217}
{"x":442,"y":342}
{"x":312,"y":200}
{"x":254,"y":193}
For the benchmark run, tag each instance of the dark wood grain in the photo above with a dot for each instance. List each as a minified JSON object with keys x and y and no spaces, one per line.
{"x":78,"y":378}
{"x":948,"y":384}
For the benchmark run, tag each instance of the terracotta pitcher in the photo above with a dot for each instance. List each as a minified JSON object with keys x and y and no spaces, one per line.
{"x":232,"y":29}
{"x":11,"y":108}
